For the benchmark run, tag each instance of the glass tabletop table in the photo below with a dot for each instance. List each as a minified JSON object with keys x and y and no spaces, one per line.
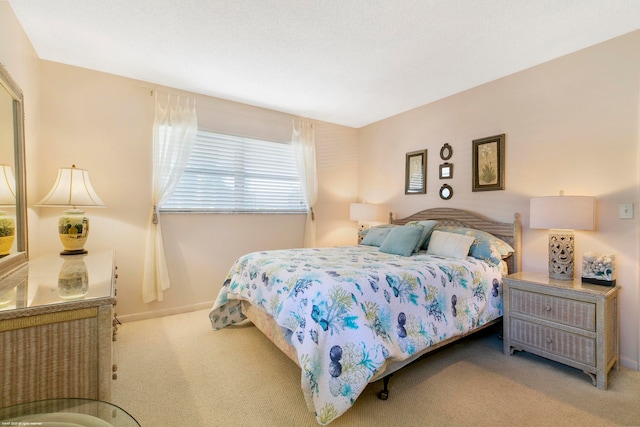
{"x":61,"y":412}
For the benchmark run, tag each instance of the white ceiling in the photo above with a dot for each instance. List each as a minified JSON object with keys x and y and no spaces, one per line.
{"x":350,"y":62}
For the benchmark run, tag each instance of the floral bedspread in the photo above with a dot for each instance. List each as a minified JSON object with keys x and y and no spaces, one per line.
{"x":348,"y":309}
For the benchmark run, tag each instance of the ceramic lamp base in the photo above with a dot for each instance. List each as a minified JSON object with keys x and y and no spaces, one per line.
{"x":73,"y":229}
{"x":561,"y":248}
{"x":6,"y":243}
{"x":7,"y":233}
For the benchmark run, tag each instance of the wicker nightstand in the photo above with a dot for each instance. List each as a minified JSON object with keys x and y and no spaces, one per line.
{"x":56,"y":329}
{"x":571,"y":322}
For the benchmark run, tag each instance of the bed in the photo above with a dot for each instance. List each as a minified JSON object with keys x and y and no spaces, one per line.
{"x":349,"y":316}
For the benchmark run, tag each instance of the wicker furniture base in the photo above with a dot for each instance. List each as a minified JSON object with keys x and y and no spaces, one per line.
{"x":60,"y":348}
{"x":570,"y":322}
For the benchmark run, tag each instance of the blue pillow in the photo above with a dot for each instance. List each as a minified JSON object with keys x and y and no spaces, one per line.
{"x":402,"y":240}
{"x":428,"y":225}
{"x":486,"y":246}
{"x":376,"y":235}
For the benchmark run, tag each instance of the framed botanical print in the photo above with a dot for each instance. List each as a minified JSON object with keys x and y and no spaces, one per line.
{"x":415,"y":180}
{"x":488,"y":163}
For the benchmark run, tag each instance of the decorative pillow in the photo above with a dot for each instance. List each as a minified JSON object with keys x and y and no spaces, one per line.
{"x":402,"y":240}
{"x":486,"y":246}
{"x":374,"y":236}
{"x":450,"y":245}
{"x":428,"y":225}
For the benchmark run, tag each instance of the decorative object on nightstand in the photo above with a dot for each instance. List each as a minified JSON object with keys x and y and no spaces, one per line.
{"x":363,"y":213}
{"x":599,"y":269}
{"x":562,"y":215}
{"x":571,"y":322}
{"x":72,"y":188}
{"x":7,"y":199}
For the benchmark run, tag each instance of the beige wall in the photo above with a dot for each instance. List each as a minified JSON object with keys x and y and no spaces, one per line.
{"x":103,"y":123}
{"x":571,"y":124}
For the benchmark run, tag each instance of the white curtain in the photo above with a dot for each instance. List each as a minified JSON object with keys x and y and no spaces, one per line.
{"x":174,"y":131}
{"x":304,"y":145}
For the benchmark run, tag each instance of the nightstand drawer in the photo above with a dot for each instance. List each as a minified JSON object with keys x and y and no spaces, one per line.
{"x":569,"y":312}
{"x":565,"y":344}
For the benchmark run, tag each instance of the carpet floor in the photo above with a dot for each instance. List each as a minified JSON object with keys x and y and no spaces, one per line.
{"x":177,"y":371}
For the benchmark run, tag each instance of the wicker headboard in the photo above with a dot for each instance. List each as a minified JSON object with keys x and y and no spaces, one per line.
{"x":510,"y":232}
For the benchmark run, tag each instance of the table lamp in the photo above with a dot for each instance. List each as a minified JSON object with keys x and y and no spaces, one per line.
{"x":7,"y":199}
{"x":363,"y":213}
{"x":72,"y":189}
{"x":561,"y":215}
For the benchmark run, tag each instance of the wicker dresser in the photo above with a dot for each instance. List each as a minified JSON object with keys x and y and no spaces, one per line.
{"x":570,"y":322}
{"x":57,"y":328}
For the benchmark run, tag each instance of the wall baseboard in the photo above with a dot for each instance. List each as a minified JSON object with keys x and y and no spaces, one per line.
{"x":166,"y":312}
{"x":630,"y":363}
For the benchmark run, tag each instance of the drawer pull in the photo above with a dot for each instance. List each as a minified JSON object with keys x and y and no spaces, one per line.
{"x":548,"y":340}
{"x":114,"y":376}
{"x":547,"y":307}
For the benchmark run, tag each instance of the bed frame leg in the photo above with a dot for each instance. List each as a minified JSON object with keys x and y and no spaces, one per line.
{"x":384,"y":393}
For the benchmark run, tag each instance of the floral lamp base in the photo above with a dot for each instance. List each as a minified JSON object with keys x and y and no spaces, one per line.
{"x":73,"y":229}
{"x":7,"y":233}
{"x":6,"y":243}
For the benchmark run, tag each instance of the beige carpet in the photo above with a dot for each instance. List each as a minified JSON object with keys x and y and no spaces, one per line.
{"x":177,"y":371}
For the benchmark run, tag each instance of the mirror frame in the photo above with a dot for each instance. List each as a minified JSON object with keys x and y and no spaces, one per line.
{"x":20,"y":257}
{"x":446,"y":192}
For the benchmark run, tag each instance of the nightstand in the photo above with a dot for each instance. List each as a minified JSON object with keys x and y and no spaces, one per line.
{"x":571,"y":322}
{"x":57,"y":329}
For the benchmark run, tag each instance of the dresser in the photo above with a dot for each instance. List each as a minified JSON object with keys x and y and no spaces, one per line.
{"x":57,"y":327}
{"x":571,"y":322}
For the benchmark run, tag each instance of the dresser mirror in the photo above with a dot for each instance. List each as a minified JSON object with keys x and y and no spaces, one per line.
{"x":12,"y":166}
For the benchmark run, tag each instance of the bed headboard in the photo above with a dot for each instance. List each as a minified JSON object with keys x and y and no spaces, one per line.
{"x":510,"y":232}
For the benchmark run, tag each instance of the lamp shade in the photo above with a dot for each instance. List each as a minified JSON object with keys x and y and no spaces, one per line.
{"x":7,"y":186}
{"x":562,"y":212}
{"x":363,"y":212}
{"x":72,"y":188}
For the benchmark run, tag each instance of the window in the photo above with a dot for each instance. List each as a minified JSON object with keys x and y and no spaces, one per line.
{"x":231,"y":174}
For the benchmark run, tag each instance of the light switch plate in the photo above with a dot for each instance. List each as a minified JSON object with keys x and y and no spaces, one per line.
{"x":626,"y":210}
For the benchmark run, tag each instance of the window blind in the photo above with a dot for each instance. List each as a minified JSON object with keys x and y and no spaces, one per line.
{"x":232,"y":174}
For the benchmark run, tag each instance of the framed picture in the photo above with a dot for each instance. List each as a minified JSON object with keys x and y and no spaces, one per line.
{"x":415,"y":180}
{"x":488,"y":163}
{"x":446,"y":170}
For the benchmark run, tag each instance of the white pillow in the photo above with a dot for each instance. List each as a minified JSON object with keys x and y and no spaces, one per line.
{"x":450,"y":245}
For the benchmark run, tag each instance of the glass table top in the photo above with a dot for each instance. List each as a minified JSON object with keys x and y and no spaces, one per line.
{"x":61,"y":412}
{"x":53,"y":280}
